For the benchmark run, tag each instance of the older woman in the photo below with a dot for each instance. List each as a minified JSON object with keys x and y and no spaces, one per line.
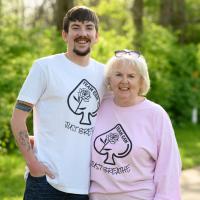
{"x":135,"y":154}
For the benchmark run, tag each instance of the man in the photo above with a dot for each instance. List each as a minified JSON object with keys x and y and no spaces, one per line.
{"x":64,"y":91}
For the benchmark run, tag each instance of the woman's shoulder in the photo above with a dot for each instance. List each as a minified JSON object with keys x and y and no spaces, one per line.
{"x":155,"y":107}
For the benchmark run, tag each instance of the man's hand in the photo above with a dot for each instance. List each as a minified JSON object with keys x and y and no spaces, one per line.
{"x":31,"y":140}
{"x":20,"y":132}
{"x":38,"y":169}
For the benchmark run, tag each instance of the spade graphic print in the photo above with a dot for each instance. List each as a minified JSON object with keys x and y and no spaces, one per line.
{"x":113,"y":144}
{"x":84,"y":101}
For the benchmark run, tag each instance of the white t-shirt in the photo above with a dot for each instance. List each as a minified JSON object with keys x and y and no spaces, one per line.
{"x":66,"y":98}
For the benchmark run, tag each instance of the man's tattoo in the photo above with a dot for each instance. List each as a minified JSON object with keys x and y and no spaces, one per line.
{"x":21,"y":106}
{"x":23,"y":139}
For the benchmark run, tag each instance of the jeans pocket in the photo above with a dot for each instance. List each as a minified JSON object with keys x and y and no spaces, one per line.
{"x":36,"y":183}
{"x":37,"y":177}
{"x":37,"y":188}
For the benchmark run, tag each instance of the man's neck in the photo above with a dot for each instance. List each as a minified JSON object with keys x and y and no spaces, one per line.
{"x":80,"y":60}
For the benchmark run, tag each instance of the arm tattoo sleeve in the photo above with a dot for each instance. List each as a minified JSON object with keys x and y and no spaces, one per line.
{"x":23,"y":140}
{"x":21,"y":106}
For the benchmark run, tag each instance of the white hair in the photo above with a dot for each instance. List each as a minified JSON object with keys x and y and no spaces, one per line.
{"x":137,"y":62}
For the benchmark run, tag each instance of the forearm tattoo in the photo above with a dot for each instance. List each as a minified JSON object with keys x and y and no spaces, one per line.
{"x":21,"y":106}
{"x":23,"y":140}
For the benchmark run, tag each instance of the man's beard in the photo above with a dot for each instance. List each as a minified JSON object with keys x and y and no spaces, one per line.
{"x":80,"y":53}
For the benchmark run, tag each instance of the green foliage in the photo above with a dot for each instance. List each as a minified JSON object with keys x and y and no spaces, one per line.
{"x":186,"y":79}
{"x":174,"y":69}
{"x":116,"y":28}
{"x":19,"y":47}
{"x":174,"y":72}
{"x":192,"y":33}
{"x":188,"y":138}
{"x":151,"y":10}
{"x":12,"y":165}
{"x":11,"y":177}
{"x":157,"y":45}
{"x":105,"y":50}
{"x":110,"y":14}
{"x":192,"y":9}
{"x":191,"y":30}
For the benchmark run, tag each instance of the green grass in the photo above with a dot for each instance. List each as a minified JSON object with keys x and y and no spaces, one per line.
{"x":11,"y":177}
{"x":12,"y":165}
{"x":188,"y":138}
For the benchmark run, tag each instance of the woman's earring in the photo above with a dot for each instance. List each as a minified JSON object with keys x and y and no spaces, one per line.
{"x":108,"y":86}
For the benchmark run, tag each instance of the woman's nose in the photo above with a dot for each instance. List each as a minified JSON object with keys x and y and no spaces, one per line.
{"x":124,"y":79}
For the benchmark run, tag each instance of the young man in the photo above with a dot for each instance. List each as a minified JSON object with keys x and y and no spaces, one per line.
{"x":64,"y":91}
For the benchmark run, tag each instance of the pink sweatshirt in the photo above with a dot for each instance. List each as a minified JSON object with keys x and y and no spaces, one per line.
{"x":135,"y":154}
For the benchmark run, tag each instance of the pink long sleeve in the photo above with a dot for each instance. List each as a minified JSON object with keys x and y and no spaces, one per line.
{"x":134,"y":154}
{"x":168,"y":164}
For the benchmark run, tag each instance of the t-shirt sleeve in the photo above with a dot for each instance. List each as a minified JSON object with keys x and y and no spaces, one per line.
{"x":168,"y":164}
{"x":34,"y":85}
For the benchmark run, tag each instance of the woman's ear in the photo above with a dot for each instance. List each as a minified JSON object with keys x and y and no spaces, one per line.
{"x":141,"y":90}
{"x":108,"y":84}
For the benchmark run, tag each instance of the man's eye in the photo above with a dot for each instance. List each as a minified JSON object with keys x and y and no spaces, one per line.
{"x":90,"y":28}
{"x":75,"y":28}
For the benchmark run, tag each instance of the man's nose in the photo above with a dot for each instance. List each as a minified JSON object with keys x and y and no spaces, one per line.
{"x":83,"y":32}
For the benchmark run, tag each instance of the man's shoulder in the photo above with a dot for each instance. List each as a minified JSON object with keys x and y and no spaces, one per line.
{"x":49,"y":58}
{"x":99,"y":67}
{"x":97,"y":63}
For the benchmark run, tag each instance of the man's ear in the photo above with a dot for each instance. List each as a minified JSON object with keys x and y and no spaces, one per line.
{"x":64,"y":36}
{"x":97,"y":37}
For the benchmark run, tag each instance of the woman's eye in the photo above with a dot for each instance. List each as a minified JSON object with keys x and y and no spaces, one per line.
{"x":131,"y":76}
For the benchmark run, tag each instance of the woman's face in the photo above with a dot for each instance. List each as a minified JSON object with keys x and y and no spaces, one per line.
{"x":125,"y":82}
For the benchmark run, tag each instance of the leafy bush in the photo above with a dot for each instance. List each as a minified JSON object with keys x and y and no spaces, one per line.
{"x":174,"y":68}
{"x":157,"y":45}
{"x":186,"y":80}
{"x":18,"y":50}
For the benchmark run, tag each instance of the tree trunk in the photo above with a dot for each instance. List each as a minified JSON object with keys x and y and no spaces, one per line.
{"x":166,"y":12}
{"x":172,"y":13}
{"x":61,"y":8}
{"x":39,"y":13}
{"x":137,"y":13}
{"x":94,"y":2}
{"x":1,"y":15}
{"x":179,"y":19}
{"x":22,"y":13}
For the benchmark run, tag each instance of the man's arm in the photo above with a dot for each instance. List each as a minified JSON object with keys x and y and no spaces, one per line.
{"x":20,"y":132}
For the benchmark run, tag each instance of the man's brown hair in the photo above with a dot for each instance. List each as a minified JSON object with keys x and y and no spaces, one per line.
{"x":80,"y":13}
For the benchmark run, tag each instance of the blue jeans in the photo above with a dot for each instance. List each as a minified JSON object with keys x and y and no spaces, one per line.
{"x":37,"y":188}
